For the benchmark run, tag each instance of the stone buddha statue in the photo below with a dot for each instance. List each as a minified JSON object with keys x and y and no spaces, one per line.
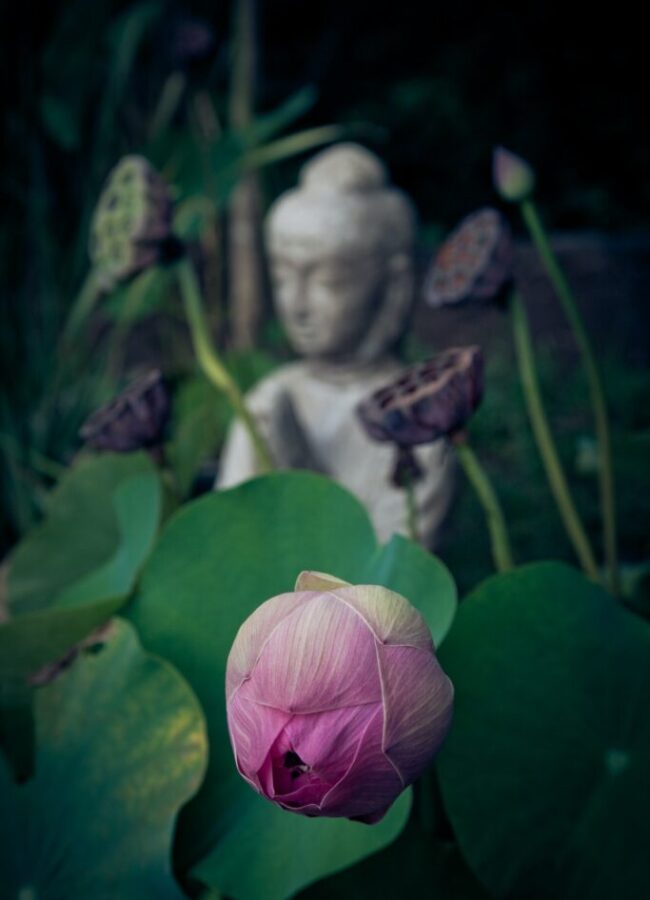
{"x":341,"y":247}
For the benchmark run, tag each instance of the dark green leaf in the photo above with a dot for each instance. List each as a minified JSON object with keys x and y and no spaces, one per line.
{"x":546,"y":771}
{"x":17,"y":729}
{"x":30,"y":641}
{"x":290,"y":851}
{"x":61,"y":121}
{"x":80,"y":533}
{"x":129,"y":515}
{"x":121,"y":746}
{"x":417,"y":866}
{"x":268,"y":125}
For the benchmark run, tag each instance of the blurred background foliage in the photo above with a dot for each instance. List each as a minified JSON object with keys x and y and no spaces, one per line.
{"x":432,"y":90}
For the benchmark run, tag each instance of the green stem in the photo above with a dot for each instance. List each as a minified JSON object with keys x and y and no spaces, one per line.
{"x":291,"y":145}
{"x":209,"y":361}
{"x":478,"y":478}
{"x":168,"y":102}
{"x":595,"y":381}
{"x":411,"y":511}
{"x":545,"y":443}
{"x":85,"y":302}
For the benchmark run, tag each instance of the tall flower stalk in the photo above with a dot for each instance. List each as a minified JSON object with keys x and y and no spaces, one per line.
{"x":544,"y":438}
{"x":487,"y":496}
{"x":210,"y":362}
{"x":515,"y":182}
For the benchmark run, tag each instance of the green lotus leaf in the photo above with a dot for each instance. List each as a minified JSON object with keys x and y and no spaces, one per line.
{"x":269,"y":853}
{"x":81,"y":531}
{"x":546,"y":771}
{"x":121,"y":747}
{"x":126,"y":519}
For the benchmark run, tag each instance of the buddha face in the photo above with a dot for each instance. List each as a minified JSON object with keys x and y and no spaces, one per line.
{"x":325,"y":296}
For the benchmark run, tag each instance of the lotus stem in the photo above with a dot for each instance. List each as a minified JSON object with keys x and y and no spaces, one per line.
{"x":84,"y":303}
{"x":211,"y":364}
{"x":544,"y":439}
{"x":168,"y":103}
{"x":598,"y":400}
{"x":411,"y":511}
{"x":496,"y":523}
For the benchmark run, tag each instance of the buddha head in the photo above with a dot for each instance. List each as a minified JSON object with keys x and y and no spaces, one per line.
{"x":341,"y":254}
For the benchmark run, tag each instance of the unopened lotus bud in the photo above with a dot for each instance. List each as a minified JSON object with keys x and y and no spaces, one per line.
{"x":134,"y":420}
{"x":514,"y":179}
{"x":132,"y":222}
{"x":474,"y":263}
{"x":428,"y":401}
{"x":335,"y":699}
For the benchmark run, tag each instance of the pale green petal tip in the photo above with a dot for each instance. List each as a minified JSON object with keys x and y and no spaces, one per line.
{"x":319,"y":581}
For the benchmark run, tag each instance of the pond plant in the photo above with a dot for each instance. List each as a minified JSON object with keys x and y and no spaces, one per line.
{"x":190,"y":706}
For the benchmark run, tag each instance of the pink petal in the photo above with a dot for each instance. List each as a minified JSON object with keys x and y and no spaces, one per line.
{"x":308,"y":796}
{"x":328,"y":741}
{"x":290,"y":782}
{"x":255,"y":631}
{"x":392,"y":619}
{"x":321,"y":657}
{"x":253,"y":730}
{"x":370,"y":784}
{"x":418,"y":703}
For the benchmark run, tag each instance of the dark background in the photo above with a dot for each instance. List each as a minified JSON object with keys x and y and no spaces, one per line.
{"x":565,"y":86}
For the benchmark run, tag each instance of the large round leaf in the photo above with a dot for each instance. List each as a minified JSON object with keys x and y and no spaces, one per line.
{"x":419,"y":865}
{"x":546,"y":771}
{"x":71,"y":604}
{"x":220,"y":558}
{"x":81,"y":531}
{"x":269,"y":854}
{"x":121,"y":746}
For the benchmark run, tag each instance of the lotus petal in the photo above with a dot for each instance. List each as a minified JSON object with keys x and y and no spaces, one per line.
{"x":255,"y":631}
{"x":320,"y":658}
{"x":418,"y":700}
{"x":390,"y":617}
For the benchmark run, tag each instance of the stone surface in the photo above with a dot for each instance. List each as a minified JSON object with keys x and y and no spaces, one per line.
{"x":341,"y":249}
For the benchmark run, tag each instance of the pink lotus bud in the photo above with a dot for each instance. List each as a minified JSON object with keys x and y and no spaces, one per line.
{"x":514,"y":179}
{"x":335,"y":699}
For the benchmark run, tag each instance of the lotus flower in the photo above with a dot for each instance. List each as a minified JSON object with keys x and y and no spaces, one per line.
{"x":335,"y":699}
